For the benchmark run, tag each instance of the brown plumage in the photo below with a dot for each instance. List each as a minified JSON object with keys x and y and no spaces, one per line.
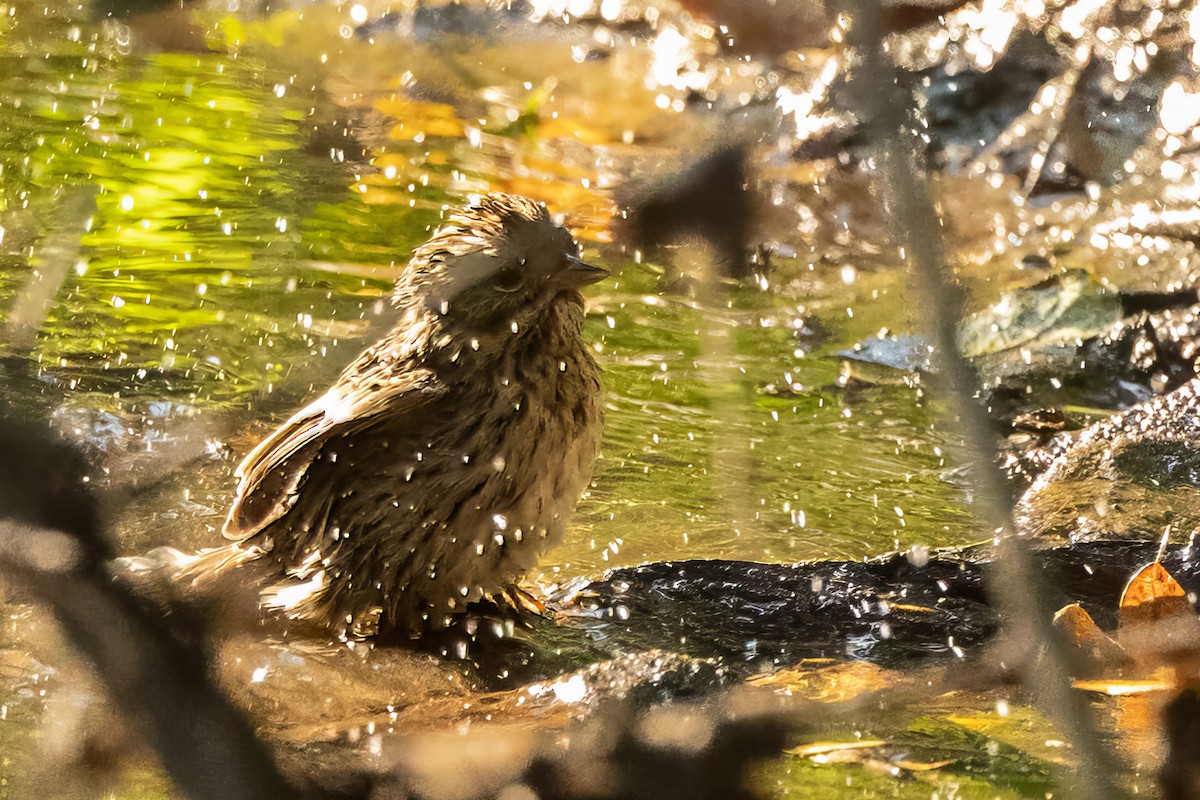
{"x":447,"y":457}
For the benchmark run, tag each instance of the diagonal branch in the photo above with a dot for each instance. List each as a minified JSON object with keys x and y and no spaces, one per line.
{"x":1013,"y":581}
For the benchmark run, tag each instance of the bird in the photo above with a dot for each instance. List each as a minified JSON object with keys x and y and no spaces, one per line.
{"x":448,"y":456}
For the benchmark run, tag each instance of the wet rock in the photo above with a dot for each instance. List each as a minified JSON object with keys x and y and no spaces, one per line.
{"x":1064,"y":340}
{"x":887,"y":358}
{"x":895,"y":610}
{"x":1163,"y":344}
{"x":759,"y":616}
{"x":645,"y":679}
{"x":1127,"y":477}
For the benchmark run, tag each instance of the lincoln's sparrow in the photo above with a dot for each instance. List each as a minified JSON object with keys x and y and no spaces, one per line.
{"x":447,"y":457}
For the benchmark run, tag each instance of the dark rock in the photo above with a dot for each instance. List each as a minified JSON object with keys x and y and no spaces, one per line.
{"x":1127,"y":477}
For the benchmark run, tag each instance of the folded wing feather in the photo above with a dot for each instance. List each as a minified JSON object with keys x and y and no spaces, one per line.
{"x":273,"y":474}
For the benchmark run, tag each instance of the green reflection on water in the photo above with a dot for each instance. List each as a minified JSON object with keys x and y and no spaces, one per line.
{"x":820,"y":477}
{"x":209,"y":212}
{"x":230,"y":256}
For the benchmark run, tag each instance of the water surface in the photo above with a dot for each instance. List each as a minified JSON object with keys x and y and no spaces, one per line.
{"x":233,"y":218}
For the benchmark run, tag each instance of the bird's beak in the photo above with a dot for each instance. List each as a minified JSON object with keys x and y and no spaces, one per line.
{"x":581,"y":273}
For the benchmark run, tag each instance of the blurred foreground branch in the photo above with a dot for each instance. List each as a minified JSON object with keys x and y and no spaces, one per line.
{"x":51,"y":546}
{"x":58,"y":252}
{"x":1013,"y":579}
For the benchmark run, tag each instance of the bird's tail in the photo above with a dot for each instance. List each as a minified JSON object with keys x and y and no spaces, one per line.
{"x":221,"y":584}
{"x":235,"y":573}
{"x":189,"y":570}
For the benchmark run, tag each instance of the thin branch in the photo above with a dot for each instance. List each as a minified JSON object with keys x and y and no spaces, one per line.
{"x":1013,"y":581}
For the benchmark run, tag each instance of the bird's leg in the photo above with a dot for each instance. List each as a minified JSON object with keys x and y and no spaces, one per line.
{"x":517,"y":599}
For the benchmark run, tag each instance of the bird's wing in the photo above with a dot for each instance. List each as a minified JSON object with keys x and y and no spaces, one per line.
{"x":271,"y":476}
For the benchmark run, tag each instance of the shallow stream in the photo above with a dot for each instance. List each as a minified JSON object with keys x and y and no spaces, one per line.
{"x":212,"y":205}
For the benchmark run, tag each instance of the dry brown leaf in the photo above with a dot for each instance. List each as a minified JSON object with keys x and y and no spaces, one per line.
{"x":1092,"y":653}
{"x":1149,"y":585}
{"x":921,"y":766}
{"x":1158,"y":623}
{"x":1118,"y":688}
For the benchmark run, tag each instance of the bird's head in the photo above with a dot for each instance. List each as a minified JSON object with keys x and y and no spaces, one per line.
{"x":498,"y":260}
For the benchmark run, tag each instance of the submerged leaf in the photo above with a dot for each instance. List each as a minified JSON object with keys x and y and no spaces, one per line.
{"x":823,"y":748}
{"x":922,"y":766}
{"x":419,"y":118}
{"x":1120,"y":688}
{"x":1063,"y":308}
{"x":830,"y":684}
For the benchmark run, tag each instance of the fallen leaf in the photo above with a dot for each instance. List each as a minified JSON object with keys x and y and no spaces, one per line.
{"x":1157,"y":621}
{"x":1151,"y":584}
{"x":922,"y":766}
{"x":1119,"y":688}
{"x":1091,"y":652}
{"x":829,"y":684}
{"x":823,"y":748}
{"x":908,"y":607}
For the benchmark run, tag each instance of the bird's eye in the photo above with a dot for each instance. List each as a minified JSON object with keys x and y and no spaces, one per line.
{"x":508,"y":279}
